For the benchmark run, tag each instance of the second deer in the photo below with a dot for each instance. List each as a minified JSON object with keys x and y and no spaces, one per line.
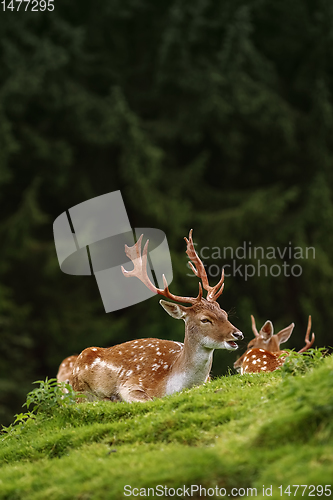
{"x":263,"y":352}
{"x":65,"y":372}
{"x":140,"y":370}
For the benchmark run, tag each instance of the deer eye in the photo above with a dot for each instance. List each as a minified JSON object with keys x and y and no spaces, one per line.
{"x":205,"y":320}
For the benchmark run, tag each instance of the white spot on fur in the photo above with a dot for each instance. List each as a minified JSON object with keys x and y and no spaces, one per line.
{"x":104,"y":364}
{"x":180,"y":344}
{"x":264,"y":356}
{"x":129,"y":373}
{"x":254,"y":362}
{"x":93,"y":349}
{"x":265,"y":362}
{"x":262,"y":350}
{"x":264,"y":368}
{"x":95,"y":362}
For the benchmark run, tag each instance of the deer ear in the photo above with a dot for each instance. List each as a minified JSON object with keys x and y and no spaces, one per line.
{"x":175,"y":310}
{"x":267,"y":330}
{"x":284,"y":334}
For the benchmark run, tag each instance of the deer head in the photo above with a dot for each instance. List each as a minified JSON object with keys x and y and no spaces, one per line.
{"x":204,"y":318}
{"x":163,"y":366}
{"x":266,"y":339}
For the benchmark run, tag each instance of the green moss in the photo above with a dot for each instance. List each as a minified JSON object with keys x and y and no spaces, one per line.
{"x":237,"y":431}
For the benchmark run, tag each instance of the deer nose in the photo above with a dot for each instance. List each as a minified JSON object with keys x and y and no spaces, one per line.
{"x":238,"y":335}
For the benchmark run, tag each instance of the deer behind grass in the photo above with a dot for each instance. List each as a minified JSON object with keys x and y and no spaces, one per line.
{"x":263,"y":352}
{"x":65,"y":372}
{"x":140,"y":370}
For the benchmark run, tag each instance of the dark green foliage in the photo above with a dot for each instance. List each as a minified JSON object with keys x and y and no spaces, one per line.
{"x":50,"y":394}
{"x":205,"y":114}
{"x":46,"y":398}
{"x":17,"y":426}
{"x":300,"y":363}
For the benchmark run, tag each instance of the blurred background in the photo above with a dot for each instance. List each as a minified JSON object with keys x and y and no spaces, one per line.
{"x":209,"y":115}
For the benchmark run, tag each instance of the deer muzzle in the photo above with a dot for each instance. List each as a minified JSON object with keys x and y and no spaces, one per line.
{"x":237,"y":335}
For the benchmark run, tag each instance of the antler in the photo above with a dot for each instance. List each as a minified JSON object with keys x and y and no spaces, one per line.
{"x":254,"y":328}
{"x":308,"y":342}
{"x":199,"y":270}
{"x":140,"y":271}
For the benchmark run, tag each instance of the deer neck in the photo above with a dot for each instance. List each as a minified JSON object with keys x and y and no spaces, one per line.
{"x":193,"y":364}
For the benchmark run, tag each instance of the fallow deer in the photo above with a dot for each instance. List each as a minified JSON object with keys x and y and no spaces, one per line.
{"x":263,"y":352}
{"x":140,"y":370}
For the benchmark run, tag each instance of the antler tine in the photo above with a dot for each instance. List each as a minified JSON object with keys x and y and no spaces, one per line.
{"x":199,"y":270}
{"x":140,"y":263}
{"x":308,"y":342}
{"x":169,"y":295}
{"x":140,"y":271}
{"x":254,"y":328}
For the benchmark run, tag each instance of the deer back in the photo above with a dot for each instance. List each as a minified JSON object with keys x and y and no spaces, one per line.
{"x":261,"y":360}
{"x":263,"y":352}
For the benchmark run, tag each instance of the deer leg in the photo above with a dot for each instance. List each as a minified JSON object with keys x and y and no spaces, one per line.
{"x":113,"y":399}
{"x":133,"y":394}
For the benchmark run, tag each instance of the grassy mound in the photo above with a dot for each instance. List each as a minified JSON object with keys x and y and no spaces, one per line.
{"x":232,"y":436}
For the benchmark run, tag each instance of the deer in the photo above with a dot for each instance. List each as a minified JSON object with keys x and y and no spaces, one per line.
{"x":65,"y":372}
{"x":140,"y":370}
{"x":263,"y":352}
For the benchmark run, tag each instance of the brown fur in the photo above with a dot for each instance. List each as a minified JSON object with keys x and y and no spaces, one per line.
{"x":263,"y":352}
{"x":140,"y":370}
{"x":266,"y":340}
{"x":65,"y":371}
{"x":260,"y":360}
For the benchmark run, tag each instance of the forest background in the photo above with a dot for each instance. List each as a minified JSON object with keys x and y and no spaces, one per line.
{"x":216,"y":116}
